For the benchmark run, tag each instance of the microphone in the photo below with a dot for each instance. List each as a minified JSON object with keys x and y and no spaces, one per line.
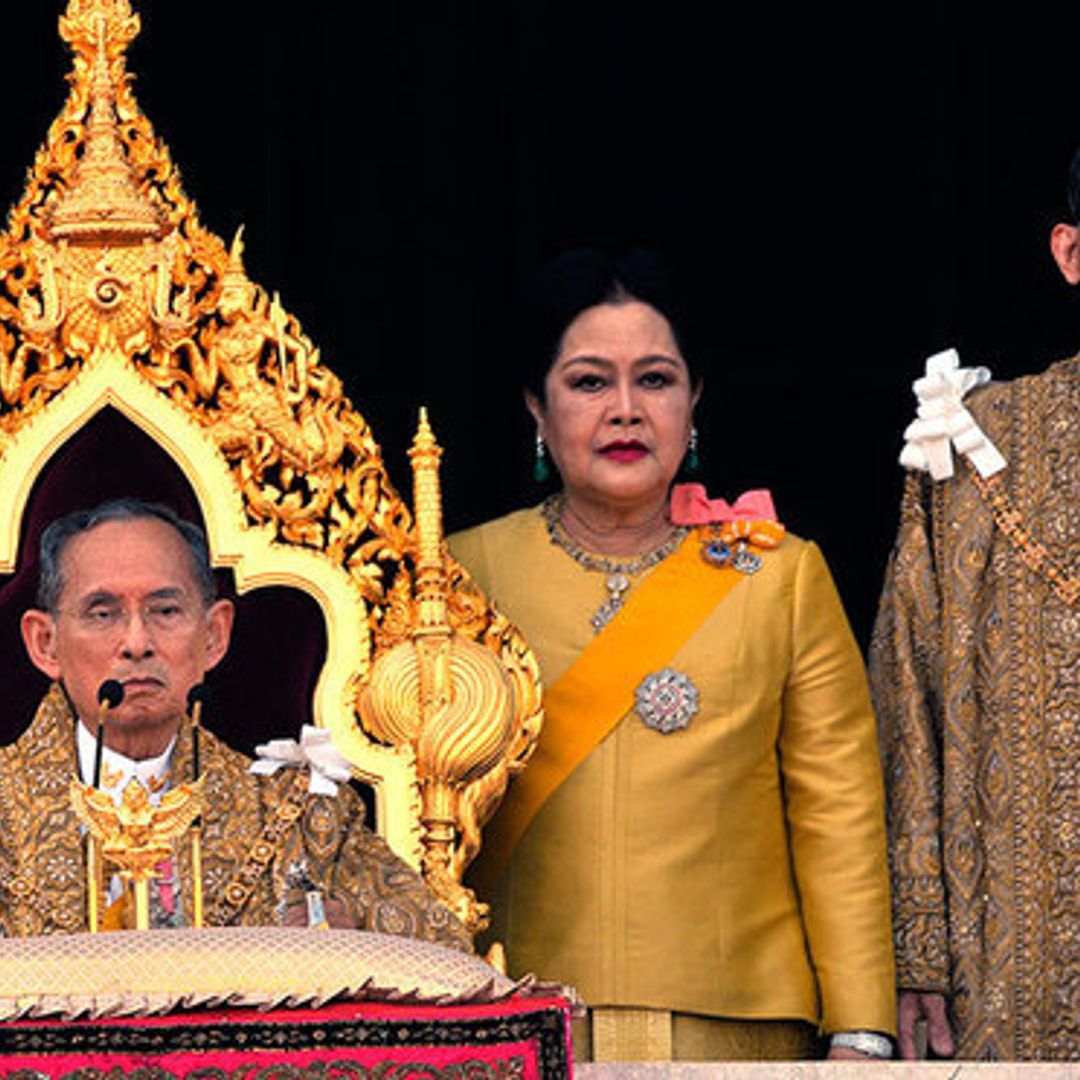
{"x":199,"y":694}
{"x":110,"y":694}
{"x":198,"y":697}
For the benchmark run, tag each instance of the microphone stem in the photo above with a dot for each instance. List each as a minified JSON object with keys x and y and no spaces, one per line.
{"x":196,"y":719}
{"x":93,"y":853}
{"x":196,"y":835}
{"x":196,"y":875}
{"x":99,"y":746}
{"x":93,"y":884}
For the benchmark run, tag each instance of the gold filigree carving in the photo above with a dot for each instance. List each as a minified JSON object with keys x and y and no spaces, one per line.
{"x":107,"y":272}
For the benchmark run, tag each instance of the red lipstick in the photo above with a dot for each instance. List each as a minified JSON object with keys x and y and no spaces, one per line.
{"x":624,"y":450}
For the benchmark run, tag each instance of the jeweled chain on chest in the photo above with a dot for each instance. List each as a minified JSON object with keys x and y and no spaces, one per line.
{"x":1033,"y":553}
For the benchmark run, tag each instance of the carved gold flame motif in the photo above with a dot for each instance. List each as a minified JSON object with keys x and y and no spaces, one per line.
{"x":106,"y":268}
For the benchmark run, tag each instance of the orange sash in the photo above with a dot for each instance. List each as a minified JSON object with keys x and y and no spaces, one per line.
{"x":597,"y":690}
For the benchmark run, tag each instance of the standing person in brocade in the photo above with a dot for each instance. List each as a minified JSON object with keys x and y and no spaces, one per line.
{"x":975,"y":668}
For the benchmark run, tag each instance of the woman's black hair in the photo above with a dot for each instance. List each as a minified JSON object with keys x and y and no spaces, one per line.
{"x":582,"y":278}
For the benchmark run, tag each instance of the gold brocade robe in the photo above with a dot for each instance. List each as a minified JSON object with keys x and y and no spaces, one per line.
{"x":42,"y":850}
{"x":735,"y":868}
{"x":975,"y":667}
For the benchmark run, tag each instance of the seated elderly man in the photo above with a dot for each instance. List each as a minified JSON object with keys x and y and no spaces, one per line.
{"x":126,"y":593}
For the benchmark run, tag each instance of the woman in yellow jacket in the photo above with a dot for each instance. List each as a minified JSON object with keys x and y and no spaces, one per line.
{"x":698,"y":845}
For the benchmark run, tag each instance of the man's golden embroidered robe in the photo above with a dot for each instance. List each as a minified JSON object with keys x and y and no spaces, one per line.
{"x":42,"y":850}
{"x":975,"y":668}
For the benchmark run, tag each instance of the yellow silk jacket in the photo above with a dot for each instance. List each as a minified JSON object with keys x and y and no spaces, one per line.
{"x":733,"y":868}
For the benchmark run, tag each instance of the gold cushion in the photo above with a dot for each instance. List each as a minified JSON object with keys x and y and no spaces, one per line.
{"x":132,"y":973}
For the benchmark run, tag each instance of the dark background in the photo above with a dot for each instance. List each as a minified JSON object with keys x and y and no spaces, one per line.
{"x":848,"y":186}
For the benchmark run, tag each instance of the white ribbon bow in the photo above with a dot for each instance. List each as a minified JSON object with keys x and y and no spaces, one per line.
{"x":943,"y":421}
{"x":315,"y":750}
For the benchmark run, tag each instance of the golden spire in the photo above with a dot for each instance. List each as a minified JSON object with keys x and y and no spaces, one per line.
{"x":237,"y":291}
{"x":431,"y":586}
{"x":104,"y":202}
{"x":448,"y":696}
{"x":432,"y":632}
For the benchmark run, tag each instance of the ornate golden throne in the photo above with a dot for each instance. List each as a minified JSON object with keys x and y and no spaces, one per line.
{"x":136,"y":357}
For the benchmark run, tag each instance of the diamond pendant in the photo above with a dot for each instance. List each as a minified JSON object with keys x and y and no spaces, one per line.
{"x":616,"y":583}
{"x":605,"y":613}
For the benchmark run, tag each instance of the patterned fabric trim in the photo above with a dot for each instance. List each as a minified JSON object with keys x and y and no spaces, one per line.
{"x":517,"y":1040}
{"x":238,"y":891}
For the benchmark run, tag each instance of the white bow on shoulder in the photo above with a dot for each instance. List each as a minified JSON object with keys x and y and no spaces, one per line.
{"x":943,"y":422}
{"x":315,"y":750}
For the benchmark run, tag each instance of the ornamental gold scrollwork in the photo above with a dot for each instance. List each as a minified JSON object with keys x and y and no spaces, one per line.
{"x":104,"y":257}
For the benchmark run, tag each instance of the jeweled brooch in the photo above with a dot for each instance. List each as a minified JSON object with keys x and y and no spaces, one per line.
{"x":666,"y":701}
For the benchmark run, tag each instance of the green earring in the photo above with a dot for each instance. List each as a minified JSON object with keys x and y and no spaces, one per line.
{"x":541,"y":470}
{"x":693,"y":461}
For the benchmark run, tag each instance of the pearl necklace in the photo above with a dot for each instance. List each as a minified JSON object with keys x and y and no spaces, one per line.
{"x":618,"y":573}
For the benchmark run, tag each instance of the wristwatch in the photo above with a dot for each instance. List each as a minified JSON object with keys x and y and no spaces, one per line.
{"x":872,"y":1043}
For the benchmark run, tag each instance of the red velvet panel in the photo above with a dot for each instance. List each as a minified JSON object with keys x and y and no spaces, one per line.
{"x":263,"y":688}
